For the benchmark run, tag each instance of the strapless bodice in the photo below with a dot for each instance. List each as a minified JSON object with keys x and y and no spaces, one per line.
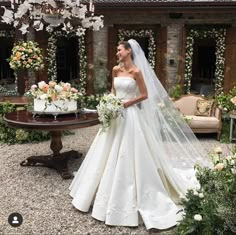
{"x":126,"y":87}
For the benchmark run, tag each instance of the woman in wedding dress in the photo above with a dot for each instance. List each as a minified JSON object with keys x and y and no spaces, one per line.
{"x":138,"y":169}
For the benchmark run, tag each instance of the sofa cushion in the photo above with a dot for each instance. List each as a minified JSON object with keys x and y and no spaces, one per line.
{"x":202,"y":122}
{"x":204,"y":107}
{"x":187,"y":104}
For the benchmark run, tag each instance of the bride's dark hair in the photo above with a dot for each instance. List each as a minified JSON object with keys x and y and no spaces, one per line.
{"x":125,"y":44}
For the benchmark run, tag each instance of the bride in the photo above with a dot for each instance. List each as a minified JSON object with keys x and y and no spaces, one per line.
{"x":138,"y":169}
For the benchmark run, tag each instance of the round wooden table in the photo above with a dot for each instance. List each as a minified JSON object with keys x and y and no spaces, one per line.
{"x":25,"y":120}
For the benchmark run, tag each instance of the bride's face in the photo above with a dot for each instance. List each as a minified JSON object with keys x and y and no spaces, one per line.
{"x":122,"y":53}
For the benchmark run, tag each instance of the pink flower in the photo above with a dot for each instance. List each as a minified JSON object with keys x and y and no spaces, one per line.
{"x":33,"y":87}
{"x":74,"y":90}
{"x":219,"y":166}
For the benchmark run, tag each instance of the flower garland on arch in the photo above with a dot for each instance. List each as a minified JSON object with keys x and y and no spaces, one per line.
{"x":122,"y":34}
{"x":51,"y":58}
{"x":219,"y":35}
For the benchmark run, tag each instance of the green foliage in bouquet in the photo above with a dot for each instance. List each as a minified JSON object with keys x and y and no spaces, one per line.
{"x":12,"y":136}
{"x":210,"y":209}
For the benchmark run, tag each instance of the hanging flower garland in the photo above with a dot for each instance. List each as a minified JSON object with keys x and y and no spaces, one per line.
{"x":219,"y":36}
{"x":122,"y":34}
{"x":51,"y":58}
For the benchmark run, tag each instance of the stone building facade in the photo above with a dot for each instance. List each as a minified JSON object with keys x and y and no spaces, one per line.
{"x":191,"y":43}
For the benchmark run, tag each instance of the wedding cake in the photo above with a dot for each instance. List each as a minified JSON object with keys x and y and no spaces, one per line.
{"x":58,"y":106}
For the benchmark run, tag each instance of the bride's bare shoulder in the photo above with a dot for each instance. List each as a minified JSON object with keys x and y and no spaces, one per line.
{"x":137,"y":71}
{"x":116,"y":68}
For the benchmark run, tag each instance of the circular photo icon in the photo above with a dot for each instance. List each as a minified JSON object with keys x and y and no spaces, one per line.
{"x":15,"y":219}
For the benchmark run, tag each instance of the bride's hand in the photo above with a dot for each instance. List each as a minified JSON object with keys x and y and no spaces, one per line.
{"x":126,"y":104}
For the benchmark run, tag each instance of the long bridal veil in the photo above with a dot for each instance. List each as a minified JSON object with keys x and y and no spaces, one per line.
{"x":182,"y":148}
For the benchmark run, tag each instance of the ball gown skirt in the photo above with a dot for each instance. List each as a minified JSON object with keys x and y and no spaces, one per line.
{"x":125,"y":175}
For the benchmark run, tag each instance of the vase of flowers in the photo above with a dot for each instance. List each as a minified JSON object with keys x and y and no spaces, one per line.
{"x":54,"y":97}
{"x":26,"y":55}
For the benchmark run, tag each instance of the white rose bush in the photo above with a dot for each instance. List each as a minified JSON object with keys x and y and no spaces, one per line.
{"x":210,"y":209}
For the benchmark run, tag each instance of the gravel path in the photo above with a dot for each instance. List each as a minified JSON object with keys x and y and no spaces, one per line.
{"x":42,"y":197}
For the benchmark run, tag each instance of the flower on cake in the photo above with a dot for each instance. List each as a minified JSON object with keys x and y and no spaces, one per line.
{"x":53,"y":91}
{"x":26,"y":55}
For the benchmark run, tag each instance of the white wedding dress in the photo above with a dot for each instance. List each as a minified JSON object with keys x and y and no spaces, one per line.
{"x":126,"y":175}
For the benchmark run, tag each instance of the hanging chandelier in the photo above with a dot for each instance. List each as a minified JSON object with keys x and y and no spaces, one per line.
{"x":69,"y":15}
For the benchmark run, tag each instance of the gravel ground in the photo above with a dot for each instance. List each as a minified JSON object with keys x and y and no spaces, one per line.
{"x":42,"y":197}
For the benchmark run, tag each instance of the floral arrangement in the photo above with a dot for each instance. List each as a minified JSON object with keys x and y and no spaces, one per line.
{"x":26,"y":55}
{"x":110,"y":107}
{"x":219,"y":35}
{"x":53,"y":91}
{"x":210,"y":209}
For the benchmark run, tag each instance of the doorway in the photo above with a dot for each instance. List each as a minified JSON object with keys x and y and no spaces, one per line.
{"x":203,"y":67}
{"x":6,"y":73}
{"x":67,"y":59}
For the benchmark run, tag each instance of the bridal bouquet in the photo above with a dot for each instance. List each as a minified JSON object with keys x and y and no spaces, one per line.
{"x":110,"y":107}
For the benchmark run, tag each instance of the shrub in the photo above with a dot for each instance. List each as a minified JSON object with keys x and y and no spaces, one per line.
{"x":11,"y":135}
{"x":210,"y":209}
{"x":224,"y":101}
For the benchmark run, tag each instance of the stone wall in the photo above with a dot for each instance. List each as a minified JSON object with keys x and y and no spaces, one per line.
{"x":174,"y":33}
{"x":100,"y":60}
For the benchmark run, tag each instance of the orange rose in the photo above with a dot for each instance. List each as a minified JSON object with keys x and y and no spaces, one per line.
{"x":54,"y":97}
{"x":18,"y":54}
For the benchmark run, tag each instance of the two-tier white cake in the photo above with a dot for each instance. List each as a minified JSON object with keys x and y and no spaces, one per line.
{"x":58,"y":106}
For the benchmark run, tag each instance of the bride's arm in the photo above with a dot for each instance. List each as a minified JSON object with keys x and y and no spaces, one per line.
{"x":114,"y":73}
{"x":143,"y":94}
